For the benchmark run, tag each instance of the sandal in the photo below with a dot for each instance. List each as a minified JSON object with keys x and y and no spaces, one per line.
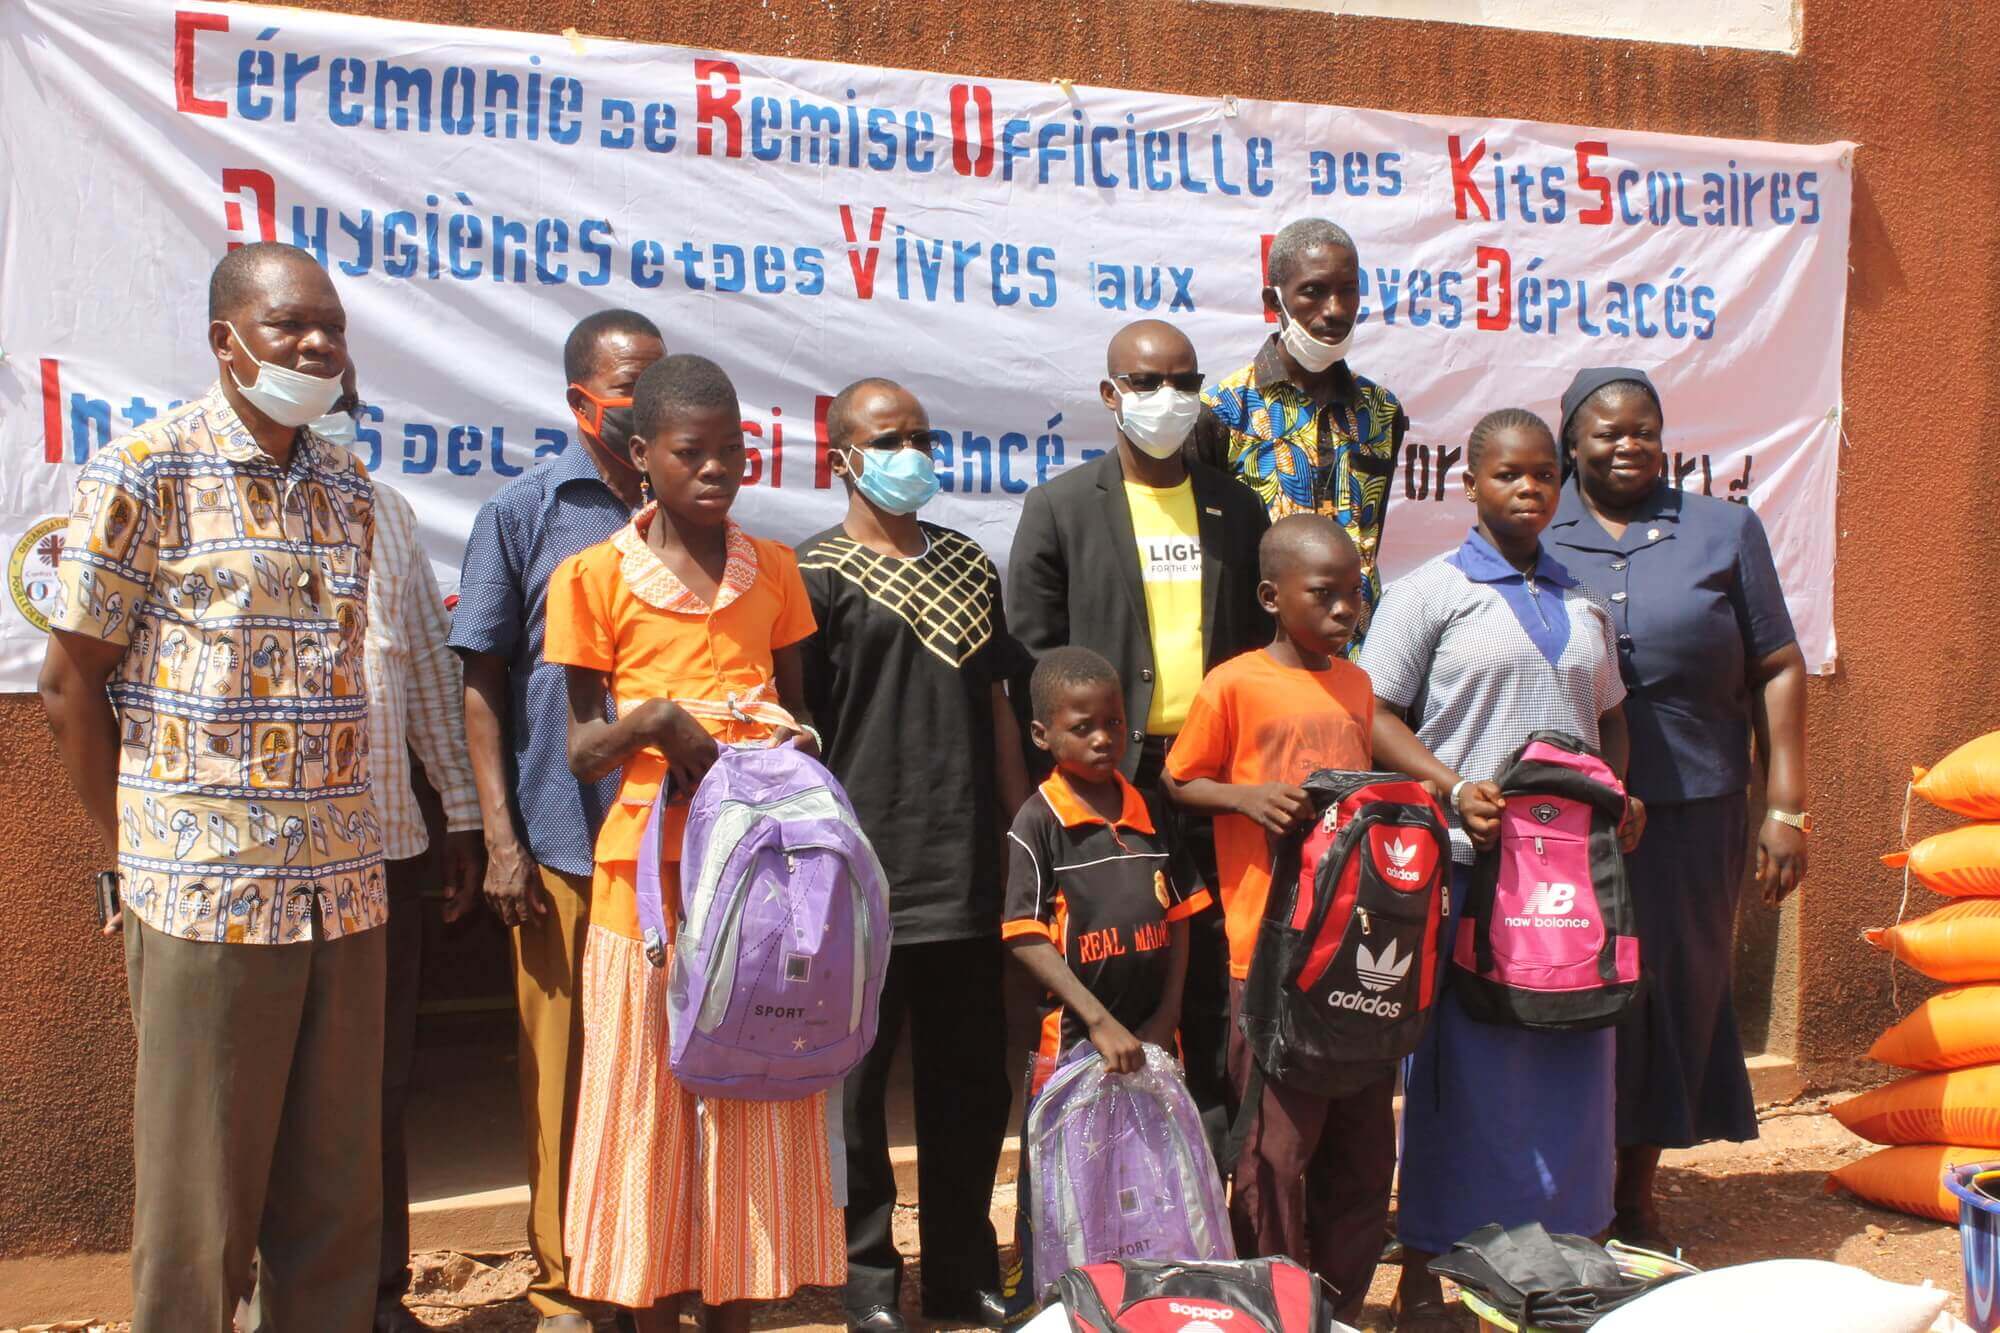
{"x":1428,"y":1317}
{"x":1631,"y":1230}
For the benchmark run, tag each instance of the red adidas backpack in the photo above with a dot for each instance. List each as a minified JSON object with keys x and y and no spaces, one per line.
{"x":1549,"y":939}
{"x":1346,"y":965}
{"x":1247,"y":1296}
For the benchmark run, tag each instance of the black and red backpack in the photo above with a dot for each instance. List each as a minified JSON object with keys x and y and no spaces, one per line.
{"x":1346,"y":966}
{"x":1142,"y":1296}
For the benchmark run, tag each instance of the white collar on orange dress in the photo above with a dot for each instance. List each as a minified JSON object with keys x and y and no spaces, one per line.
{"x":654,"y":584}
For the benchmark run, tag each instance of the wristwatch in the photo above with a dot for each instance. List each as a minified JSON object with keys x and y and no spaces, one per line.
{"x":1801,"y":821}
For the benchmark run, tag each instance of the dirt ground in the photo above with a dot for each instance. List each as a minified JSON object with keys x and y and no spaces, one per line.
{"x":1724,"y":1204}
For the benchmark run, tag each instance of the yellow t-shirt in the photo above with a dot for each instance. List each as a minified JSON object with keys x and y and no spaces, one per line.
{"x":1169,"y":540}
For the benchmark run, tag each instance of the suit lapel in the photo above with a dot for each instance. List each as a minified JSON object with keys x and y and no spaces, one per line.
{"x":1111,"y":481}
{"x":1209,"y":525}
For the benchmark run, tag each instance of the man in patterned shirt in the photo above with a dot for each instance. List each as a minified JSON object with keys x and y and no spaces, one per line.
{"x":205,"y":682}
{"x":1304,"y":431}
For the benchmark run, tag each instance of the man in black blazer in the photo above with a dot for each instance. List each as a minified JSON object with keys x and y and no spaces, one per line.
{"x":1151,"y":559}
{"x":1077,"y":574}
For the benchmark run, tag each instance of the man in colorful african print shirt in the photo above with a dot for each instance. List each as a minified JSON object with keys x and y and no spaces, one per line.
{"x":1303,"y":430}
{"x":206,"y":686}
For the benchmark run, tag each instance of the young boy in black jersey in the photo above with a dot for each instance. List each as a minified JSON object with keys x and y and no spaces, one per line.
{"x":1098,"y":891}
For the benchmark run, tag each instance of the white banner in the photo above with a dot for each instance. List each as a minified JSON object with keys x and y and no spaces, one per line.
{"x":476,"y":192}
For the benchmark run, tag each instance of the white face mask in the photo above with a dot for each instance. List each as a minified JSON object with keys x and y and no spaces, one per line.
{"x":1311,"y":354}
{"x":1158,"y":422}
{"x":338,"y":427}
{"x":289,"y":397}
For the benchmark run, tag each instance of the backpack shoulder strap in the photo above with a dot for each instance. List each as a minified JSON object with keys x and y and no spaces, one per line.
{"x":1480,"y":892}
{"x":653,"y":908}
{"x":1239,"y":1128}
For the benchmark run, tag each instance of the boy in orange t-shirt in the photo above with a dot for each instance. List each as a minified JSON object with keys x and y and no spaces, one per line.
{"x":1313,"y":1179}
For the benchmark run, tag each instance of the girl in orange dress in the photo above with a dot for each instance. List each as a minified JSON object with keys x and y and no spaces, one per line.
{"x":676,"y":617}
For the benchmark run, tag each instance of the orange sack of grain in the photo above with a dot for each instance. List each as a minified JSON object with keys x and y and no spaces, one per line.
{"x":1963,"y":862}
{"x":1966,"y":781}
{"x":1950,"y":1106}
{"x":1910,"y":1180}
{"x":1953,"y":1029}
{"x":1958,"y":942}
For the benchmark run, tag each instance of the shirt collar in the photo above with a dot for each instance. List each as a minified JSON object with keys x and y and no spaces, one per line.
{"x":234,"y":441}
{"x":1477,"y":559}
{"x":1269,"y":367}
{"x":657,"y":586}
{"x":1074,"y":811}
{"x":1268,"y":372}
{"x":573,"y":465}
{"x":1664,"y":504}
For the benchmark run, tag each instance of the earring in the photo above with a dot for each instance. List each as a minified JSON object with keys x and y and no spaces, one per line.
{"x":645,"y":489}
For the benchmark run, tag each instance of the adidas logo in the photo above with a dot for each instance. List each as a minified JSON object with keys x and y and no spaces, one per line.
{"x":1380,"y":971}
{"x":1400,"y":855}
{"x":1373,"y":1005}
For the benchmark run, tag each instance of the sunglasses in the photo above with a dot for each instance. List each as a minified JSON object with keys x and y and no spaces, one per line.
{"x":916,"y":439}
{"x":1145,"y":381}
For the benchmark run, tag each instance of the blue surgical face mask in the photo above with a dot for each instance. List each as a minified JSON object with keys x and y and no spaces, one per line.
{"x":901,"y":482}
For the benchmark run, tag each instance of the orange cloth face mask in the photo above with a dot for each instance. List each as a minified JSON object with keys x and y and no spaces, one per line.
{"x":611,"y":422}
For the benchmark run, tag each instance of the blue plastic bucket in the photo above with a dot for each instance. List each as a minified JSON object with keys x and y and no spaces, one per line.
{"x":1978,"y":1241}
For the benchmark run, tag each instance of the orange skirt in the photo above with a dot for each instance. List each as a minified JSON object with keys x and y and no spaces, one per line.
{"x":670,"y":1193}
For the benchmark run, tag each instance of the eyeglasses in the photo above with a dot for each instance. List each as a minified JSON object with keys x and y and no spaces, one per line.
{"x":915,"y":439}
{"x":1145,"y":381}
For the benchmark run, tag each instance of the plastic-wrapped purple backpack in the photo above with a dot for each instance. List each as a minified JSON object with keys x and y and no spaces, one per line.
{"x":1119,"y":1169}
{"x":784,"y":929}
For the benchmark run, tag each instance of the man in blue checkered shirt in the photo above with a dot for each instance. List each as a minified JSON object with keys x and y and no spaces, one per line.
{"x":541,"y":822}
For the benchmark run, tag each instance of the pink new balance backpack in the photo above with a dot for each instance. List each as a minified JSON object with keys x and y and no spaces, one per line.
{"x":1548,"y":939}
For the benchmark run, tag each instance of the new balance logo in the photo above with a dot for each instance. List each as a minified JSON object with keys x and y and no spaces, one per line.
{"x":1400,"y":855}
{"x":1551,"y":905}
{"x":1550,"y":900}
{"x":1378,"y":972}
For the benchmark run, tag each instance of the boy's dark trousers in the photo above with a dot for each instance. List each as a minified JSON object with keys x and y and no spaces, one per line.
{"x":950,"y":994}
{"x":1313,"y":1180}
{"x":1206,"y":1025}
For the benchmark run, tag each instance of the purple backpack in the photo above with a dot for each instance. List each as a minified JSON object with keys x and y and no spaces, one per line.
{"x":1548,"y":939}
{"x":1118,"y":1168}
{"x":784,"y":929}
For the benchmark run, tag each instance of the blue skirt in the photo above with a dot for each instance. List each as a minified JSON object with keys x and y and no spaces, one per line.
{"x":1505,"y":1125}
{"x":1681,"y":1079}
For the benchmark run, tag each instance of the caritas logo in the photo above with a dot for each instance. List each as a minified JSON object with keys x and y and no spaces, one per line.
{"x":1404,"y":857}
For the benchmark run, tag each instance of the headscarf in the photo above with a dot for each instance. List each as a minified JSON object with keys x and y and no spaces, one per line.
{"x":1588,"y":382}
